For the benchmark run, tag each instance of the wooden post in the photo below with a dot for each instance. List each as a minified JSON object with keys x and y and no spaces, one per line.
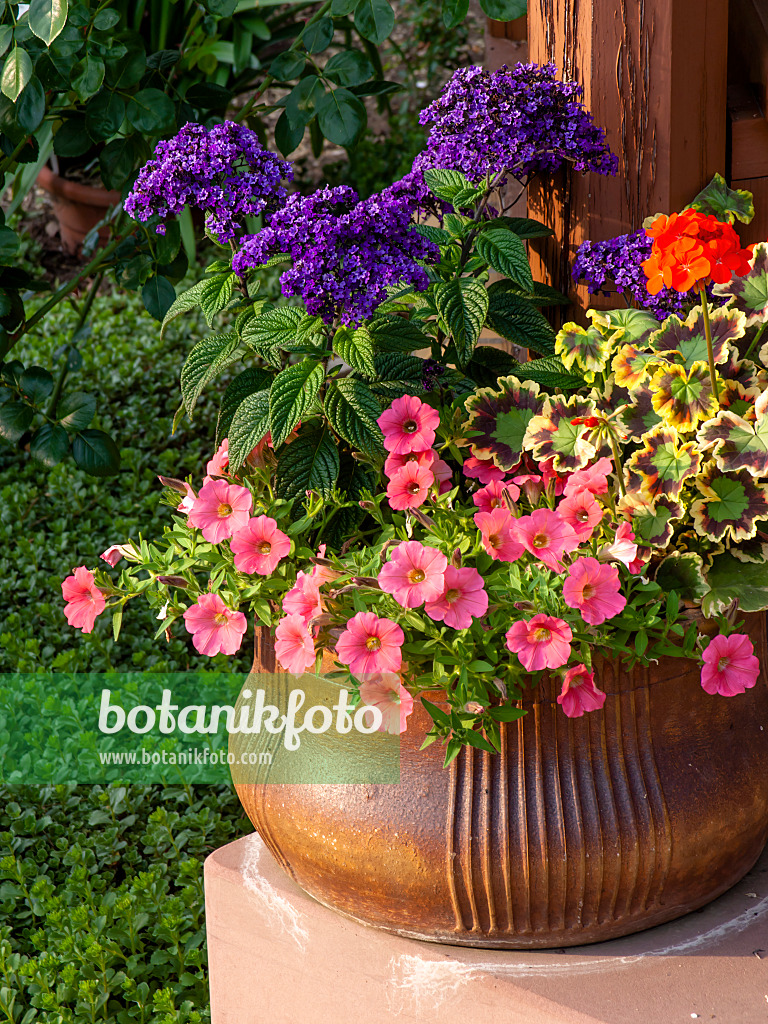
{"x":655,"y":76}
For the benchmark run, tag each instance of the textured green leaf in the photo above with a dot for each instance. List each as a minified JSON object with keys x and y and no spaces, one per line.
{"x":190,"y":299}
{"x":247,"y":383}
{"x":519,"y":321}
{"x":206,"y":360}
{"x":216,"y":294}
{"x":49,"y":444}
{"x":550,"y":373}
{"x":506,"y":253}
{"x":104,"y":114}
{"x":311,"y":462}
{"x":355,"y":347}
{"x":462,"y":306}
{"x":525,"y":227}
{"x":352,"y":411}
{"x":249,"y":425}
{"x":276,"y":328}
{"x":488,"y":364}
{"x":96,"y":453}
{"x":292,"y":393}
{"x":46,"y":18}
{"x":448,"y":184}
{"x":396,"y":334}
{"x":398,"y":374}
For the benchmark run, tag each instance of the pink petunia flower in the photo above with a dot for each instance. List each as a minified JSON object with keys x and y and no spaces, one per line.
{"x":214,"y":627}
{"x":414,"y":574}
{"x":582,"y":513}
{"x":294,"y":648}
{"x":385,"y":692}
{"x":114,"y":553}
{"x":443,"y":475}
{"x":484,"y":470}
{"x":256,"y":458}
{"x":370,"y":644}
{"x":593,"y":479}
{"x":409,"y":425}
{"x":220,"y":510}
{"x":622,"y":548}
{"x":393,"y":462}
{"x":547,"y":536}
{"x":85,"y":602}
{"x":730,"y":665}
{"x":187,"y":503}
{"x":463,"y":598}
{"x":259,"y":546}
{"x":579,"y":693}
{"x":540,"y":642}
{"x":492,"y":495}
{"x":303,"y":599}
{"x":532,"y":485}
{"x":409,"y":486}
{"x":593,"y":588}
{"x":499,"y":534}
{"x":322,"y":573}
{"x":217,"y":466}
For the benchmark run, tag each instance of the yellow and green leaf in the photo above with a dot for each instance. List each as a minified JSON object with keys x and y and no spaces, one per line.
{"x":683,"y":397}
{"x":589,"y":349}
{"x":500,"y":417}
{"x":730,"y":506}
{"x":663,"y":464}
{"x":652,"y":520}
{"x":736,"y":444}
{"x":553,"y":435}
{"x":685,"y":341}
{"x":631,"y":365}
{"x":640,"y":417}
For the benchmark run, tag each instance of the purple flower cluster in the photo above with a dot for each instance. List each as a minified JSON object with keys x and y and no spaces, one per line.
{"x":345,"y":251}
{"x":619,"y":260}
{"x":516,"y":120}
{"x":224,"y":171}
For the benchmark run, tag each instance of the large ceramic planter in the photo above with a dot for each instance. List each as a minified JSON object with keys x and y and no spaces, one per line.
{"x":579,"y":830}
{"x":78,"y":208}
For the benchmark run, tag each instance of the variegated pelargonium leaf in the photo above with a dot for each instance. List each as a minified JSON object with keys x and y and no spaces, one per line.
{"x":663,"y":464}
{"x":731,"y":505}
{"x":737,"y":399}
{"x":736,"y":444}
{"x":588,"y":349}
{"x":501,"y":416}
{"x":685,"y":341}
{"x":683,"y":572}
{"x":729,"y":579}
{"x":631,"y":365}
{"x":751,"y":376}
{"x":652,"y":521}
{"x":683,"y":398}
{"x":553,"y":434}
{"x":639,"y":418}
{"x":750,"y":293}
{"x":627,"y":325}
{"x":754,"y":550}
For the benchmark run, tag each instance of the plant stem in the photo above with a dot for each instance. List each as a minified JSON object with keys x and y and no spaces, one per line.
{"x":710,"y":350}
{"x":84,"y":311}
{"x":68,"y":288}
{"x":245,"y":111}
{"x":12,"y":158}
{"x":755,"y":340}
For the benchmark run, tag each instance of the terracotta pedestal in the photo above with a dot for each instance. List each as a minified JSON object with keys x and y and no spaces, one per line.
{"x":277,"y":956}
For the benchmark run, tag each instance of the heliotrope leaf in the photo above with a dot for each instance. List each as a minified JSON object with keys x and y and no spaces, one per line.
{"x":736,"y":444}
{"x":631,"y":365}
{"x":553,"y":435}
{"x":589,"y":349}
{"x":749,"y":294}
{"x":682,"y":397}
{"x":726,"y":204}
{"x":729,"y":579}
{"x":501,"y":416}
{"x":652,"y":520}
{"x":663,"y":464}
{"x":462,"y":306}
{"x":640,"y":417}
{"x":730,"y":505}
{"x":311,"y":462}
{"x":684,"y":573}
{"x":685,"y":341}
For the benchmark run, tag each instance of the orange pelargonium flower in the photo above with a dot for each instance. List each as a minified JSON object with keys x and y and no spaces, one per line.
{"x":691,"y":248}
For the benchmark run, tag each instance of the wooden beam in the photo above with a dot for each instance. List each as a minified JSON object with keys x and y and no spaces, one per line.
{"x":654,"y":76}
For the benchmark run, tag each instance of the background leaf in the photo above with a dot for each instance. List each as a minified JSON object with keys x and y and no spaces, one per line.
{"x":311,"y":462}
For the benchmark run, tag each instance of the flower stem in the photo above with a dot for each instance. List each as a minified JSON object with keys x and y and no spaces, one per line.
{"x":710,"y":350}
{"x":755,"y":340}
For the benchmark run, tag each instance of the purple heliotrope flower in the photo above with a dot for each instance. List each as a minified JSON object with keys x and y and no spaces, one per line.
{"x":223,"y":171}
{"x":345,"y":251}
{"x":516,"y":121}
{"x":616,"y":265}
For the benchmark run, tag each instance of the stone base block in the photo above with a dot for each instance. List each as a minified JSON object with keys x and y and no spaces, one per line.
{"x":278,"y":957}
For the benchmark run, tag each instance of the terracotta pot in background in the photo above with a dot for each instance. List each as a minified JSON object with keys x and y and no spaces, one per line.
{"x":78,"y":208}
{"x":579,"y":830}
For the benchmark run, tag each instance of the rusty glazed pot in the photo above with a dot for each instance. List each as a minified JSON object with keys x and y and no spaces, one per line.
{"x":579,"y":830}
{"x":78,"y":208}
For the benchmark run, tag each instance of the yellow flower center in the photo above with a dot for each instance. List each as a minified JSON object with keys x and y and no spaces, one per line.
{"x":265,"y":547}
{"x":416,"y":576}
{"x":541,"y":635}
{"x":373,"y":643}
{"x":723,"y":664}
{"x":451,"y":595}
{"x":540,"y":540}
{"x":220,"y":619}
{"x":224,"y":510}
{"x":588,"y":592}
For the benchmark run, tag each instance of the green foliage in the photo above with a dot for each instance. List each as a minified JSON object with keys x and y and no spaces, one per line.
{"x":101,"y":901}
